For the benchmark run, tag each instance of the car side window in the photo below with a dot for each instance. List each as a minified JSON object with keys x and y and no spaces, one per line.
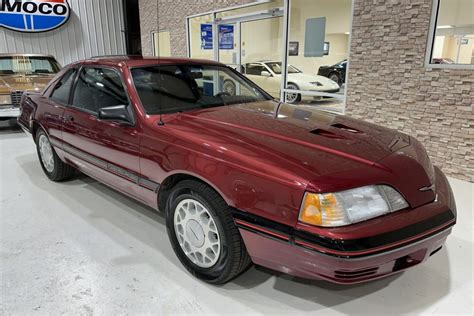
{"x":253,"y":69}
{"x":97,"y":88}
{"x":62,"y":89}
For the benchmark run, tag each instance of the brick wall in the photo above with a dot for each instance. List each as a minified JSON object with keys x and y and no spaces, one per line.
{"x":173,"y":15}
{"x":389,"y":85}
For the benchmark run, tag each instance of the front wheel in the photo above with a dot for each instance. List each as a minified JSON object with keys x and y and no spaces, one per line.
{"x":53,"y":167}
{"x":203,"y":234}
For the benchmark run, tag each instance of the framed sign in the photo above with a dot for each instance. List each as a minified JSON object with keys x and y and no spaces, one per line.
{"x":326,"y":48}
{"x":294,"y":48}
{"x":32,"y":16}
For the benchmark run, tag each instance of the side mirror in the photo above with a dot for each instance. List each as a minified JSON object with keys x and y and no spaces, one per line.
{"x":118,"y":113}
{"x":265,"y":74}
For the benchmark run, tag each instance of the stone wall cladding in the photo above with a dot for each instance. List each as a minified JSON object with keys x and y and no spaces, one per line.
{"x":173,"y":15}
{"x":389,"y":85}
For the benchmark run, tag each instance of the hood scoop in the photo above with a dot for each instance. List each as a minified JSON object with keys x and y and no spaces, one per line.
{"x":325,"y":133}
{"x":345,"y":128}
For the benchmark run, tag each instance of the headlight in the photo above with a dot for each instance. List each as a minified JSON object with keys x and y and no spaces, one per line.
{"x":317,"y":83}
{"x":351,"y":206}
{"x":5,"y":99}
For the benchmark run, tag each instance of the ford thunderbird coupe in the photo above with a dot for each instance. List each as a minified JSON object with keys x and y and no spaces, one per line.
{"x":19,"y":73}
{"x":243,"y":178}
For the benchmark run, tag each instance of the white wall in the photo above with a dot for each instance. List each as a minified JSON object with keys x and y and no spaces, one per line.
{"x":94,"y":28}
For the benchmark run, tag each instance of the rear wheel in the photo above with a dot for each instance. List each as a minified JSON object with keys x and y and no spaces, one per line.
{"x":292,"y":97}
{"x":203,"y":234}
{"x":53,"y":167}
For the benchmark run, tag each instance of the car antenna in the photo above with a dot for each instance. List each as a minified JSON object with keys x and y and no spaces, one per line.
{"x":160,"y":122}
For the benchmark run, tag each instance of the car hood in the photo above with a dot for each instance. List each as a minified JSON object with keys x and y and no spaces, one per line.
{"x":306,"y":79}
{"x":299,"y":134}
{"x":24,"y":83}
{"x":325,"y":152}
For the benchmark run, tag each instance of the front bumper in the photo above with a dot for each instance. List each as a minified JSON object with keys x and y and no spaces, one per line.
{"x":9,"y":112}
{"x":351,"y":261}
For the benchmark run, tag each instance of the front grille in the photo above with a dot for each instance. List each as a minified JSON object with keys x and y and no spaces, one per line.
{"x":16,"y":97}
{"x":355,"y":274}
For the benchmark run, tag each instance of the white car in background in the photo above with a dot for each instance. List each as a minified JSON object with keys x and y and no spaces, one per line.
{"x":267,"y":75}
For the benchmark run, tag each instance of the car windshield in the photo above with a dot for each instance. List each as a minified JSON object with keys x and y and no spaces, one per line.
{"x":276,"y":68}
{"x":28,"y":65}
{"x":177,"y":88}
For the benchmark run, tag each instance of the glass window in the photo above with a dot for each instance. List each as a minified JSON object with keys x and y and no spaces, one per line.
{"x":62,"y":89}
{"x":28,"y":65}
{"x":98,"y":88}
{"x":254,"y":69}
{"x":453,"y":41}
{"x":319,"y":48}
{"x":177,"y":88}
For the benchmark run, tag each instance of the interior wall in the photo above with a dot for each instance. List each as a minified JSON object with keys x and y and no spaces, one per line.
{"x":388,"y":83}
{"x":94,"y":28}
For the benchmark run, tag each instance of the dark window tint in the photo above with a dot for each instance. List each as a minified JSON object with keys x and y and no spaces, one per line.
{"x":63,"y":87}
{"x":177,"y":88}
{"x":255,"y":70}
{"x":98,"y":88}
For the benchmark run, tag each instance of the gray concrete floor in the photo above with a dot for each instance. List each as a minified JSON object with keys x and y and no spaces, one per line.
{"x":81,"y":248}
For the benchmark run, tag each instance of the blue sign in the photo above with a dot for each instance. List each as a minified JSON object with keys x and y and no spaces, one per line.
{"x":226,"y":36}
{"x":33,"y":15}
{"x":206,"y":36}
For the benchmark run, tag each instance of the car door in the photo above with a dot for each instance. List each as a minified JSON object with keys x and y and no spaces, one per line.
{"x":55,"y":102}
{"x":268,"y":83}
{"x":106,"y":150}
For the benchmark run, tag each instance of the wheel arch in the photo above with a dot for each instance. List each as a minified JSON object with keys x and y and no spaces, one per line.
{"x":170,"y":182}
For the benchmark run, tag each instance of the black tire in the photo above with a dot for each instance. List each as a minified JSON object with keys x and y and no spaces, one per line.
{"x":233,"y":258}
{"x":298,"y":97}
{"x":334,"y":76}
{"x":60,"y":171}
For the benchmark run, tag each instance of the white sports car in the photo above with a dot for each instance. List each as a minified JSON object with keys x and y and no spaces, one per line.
{"x":267,"y":74}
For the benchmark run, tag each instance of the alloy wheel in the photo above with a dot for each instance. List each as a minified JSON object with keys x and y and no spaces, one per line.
{"x":46,"y":153}
{"x":197,"y":233}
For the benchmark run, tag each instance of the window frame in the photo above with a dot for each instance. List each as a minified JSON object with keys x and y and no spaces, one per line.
{"x":53,"y":88}
{"x":431,"y":42}
{"x":96,"y":114}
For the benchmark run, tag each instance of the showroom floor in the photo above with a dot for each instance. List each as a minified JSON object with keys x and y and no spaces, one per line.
{"x":80,"y":247}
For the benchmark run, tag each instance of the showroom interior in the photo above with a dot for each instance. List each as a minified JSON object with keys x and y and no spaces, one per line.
{"x":80,"y":247}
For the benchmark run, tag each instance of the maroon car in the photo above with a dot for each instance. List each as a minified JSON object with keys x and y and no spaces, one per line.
{"x":241,"y":177}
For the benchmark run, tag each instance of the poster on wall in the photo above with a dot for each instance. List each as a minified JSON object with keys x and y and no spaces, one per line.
{"x":294,"y":48}
{"x":226,"y":36}
{"x":33,"y":16}
{"x":206,"y":36}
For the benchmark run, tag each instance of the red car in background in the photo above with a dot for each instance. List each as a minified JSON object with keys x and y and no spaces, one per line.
{"x":241,"y":177}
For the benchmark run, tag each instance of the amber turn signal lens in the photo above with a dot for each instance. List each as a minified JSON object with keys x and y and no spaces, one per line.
{"x":311,"y":210}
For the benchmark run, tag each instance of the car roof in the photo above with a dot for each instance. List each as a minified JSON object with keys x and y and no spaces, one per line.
{"x":24,"y":55}
{"x":141,"y":61}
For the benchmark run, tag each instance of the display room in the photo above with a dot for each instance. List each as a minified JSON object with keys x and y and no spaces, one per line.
{"x":236,"y":157}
